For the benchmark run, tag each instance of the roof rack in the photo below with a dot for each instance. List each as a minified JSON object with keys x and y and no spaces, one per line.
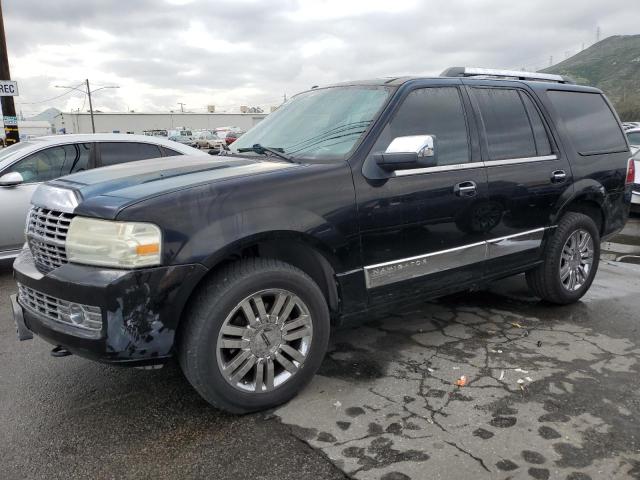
{"x":510,"y":74}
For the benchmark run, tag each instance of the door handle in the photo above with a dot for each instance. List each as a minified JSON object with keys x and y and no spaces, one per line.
{"x":465,"y":189}
{"x":558,"y":176}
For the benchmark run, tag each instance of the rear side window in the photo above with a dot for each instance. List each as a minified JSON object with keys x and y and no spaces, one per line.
{"x":113,"y":153}
{"x":543,"y":147}
{"x":589,"y":121}
{"x":507,"y":127}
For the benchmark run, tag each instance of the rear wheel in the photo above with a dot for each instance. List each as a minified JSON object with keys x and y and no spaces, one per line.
{"x":254,"y":336}
{"x":571,"y":261}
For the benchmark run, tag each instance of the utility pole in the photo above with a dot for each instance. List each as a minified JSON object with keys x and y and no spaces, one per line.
{"x":551,"y":60}
{"x":87,"y":92}
{"x":181,"y":106}
{"x":93,"y":124}
{"x":8,"y":108}
{"x":598,"y":33}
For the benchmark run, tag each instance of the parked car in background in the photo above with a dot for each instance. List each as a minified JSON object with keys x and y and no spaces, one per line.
{"x":635,"y":191}
{"x":184,"y":140}
{"x":232,"y":136}
{"x":630,"y":125}
{"x":633,"y":135}
{"x":210,"y":141}
{"x":25,"y":165}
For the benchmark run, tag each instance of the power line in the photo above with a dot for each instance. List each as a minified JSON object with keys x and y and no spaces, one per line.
{"x":49,"y":99}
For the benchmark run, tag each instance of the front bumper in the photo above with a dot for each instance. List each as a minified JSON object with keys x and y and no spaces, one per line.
{"x":140,"y":308}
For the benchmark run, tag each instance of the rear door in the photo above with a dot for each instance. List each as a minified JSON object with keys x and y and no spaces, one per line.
{"x":114,"y":153}
{"x":527,"y":173}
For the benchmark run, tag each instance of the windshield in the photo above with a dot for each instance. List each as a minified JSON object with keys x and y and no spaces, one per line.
{"x":319,"y":124}
{"x":634,"y":138}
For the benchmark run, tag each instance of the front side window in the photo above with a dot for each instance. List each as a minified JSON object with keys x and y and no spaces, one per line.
{"x":508,"y":130}
{"x":590,"y":122}
{"x":113,"y":153}
{"x":319,"y":124}
{"x":53,"y":162}
{"x":436,"y":111}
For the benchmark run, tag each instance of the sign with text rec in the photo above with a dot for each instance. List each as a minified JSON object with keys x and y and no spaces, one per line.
{"x":8,"y":88}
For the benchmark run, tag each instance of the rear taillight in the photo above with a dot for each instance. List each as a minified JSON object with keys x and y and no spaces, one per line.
{"x":631,"y":172}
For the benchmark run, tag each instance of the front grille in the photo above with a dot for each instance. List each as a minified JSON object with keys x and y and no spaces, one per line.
{"x":46,"y":235}
{"x":61,"y":312}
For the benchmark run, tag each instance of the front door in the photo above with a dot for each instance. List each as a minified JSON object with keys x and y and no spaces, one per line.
{"x":422,"y":230}
{"x":527,"y":174}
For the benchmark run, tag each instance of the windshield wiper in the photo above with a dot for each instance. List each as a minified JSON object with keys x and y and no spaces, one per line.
{"x":260,"y":150}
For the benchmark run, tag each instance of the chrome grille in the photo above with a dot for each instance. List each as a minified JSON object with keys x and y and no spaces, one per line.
{"x":46,"y":235}
{"x":60,"y":311}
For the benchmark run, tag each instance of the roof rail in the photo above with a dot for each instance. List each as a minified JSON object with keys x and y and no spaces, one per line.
{"x":511,"y":74}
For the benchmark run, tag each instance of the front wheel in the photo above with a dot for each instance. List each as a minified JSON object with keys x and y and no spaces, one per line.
{"x":255,"y":335}
{"x":571,"y":260}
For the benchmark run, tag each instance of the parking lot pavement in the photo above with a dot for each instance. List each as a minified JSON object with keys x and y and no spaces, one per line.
{"x":383,"y":406}
{"x":71,"y":418}
{"x":551,"y":392}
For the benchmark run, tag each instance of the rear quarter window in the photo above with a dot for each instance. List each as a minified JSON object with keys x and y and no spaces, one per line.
{"x":590,"y":123}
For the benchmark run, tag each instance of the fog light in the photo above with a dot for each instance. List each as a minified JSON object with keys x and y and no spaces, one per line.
{"x":76,"y":314}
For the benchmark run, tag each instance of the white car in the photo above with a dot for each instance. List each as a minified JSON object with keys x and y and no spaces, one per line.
{"x":633,"y":135}
{"x":210,"y":141}
{"x":635,"y":196}
{"x":25,"y":165}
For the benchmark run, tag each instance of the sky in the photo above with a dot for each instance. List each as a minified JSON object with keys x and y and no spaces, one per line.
{"x":250,"y":52}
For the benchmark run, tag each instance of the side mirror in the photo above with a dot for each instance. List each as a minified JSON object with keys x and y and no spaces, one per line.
{"x":11,"y":179}
{"x":403,"y":153}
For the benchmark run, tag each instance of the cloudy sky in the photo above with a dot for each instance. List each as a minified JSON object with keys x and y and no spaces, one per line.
{"x":227,"y":53}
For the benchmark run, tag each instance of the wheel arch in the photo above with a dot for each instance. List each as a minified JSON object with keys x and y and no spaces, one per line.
{"x":295,"y":248}
{"x":589,"y":199}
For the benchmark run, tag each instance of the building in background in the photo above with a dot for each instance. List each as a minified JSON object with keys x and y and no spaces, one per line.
{"x":134,"y":122}
{"x":30,"y":128}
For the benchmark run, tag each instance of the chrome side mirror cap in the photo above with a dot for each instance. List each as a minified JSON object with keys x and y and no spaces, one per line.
{"x":403,"y":153}
{"x":11,"y":179}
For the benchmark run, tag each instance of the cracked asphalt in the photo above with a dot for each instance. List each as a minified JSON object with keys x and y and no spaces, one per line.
{"x":549,"y":392}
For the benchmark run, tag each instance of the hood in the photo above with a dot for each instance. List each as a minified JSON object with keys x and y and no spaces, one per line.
{"x":113,"y":188}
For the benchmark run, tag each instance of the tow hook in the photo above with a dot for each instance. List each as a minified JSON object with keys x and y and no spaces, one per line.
{"x":60,"y":352}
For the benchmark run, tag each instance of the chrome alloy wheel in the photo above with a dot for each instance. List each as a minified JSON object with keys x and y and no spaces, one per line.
{"x":576,"y":260}
{"x":264,"y":341}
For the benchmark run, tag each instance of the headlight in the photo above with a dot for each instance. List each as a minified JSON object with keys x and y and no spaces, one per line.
{"x":113,"y":244}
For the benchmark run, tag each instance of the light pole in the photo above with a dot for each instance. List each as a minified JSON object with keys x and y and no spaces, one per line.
{"x":88,"y":92}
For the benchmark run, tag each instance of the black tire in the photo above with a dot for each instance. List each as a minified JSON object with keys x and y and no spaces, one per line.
{"x":544,"y":281}
{"x":206,"y":315}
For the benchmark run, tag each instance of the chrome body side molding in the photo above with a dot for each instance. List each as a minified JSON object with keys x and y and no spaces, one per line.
{"x":394,"y":271}
{"x":467,"y":166}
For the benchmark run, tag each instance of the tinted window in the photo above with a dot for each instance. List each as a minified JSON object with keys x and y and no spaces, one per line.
{"x":121,"y":152}
{"x":53,"y":162}
{"x":543,"y":147}
{"x":507,"y":127}
{"x":167,"y":152}
{"x":590,"y":122}
{"x":431,"y":111}
{"x":634,"y":138}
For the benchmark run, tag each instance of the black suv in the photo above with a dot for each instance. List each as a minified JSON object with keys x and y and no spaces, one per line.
{"x":348,"y":198}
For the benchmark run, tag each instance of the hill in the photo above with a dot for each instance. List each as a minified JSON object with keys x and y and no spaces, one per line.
{"x":613,"y":65}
